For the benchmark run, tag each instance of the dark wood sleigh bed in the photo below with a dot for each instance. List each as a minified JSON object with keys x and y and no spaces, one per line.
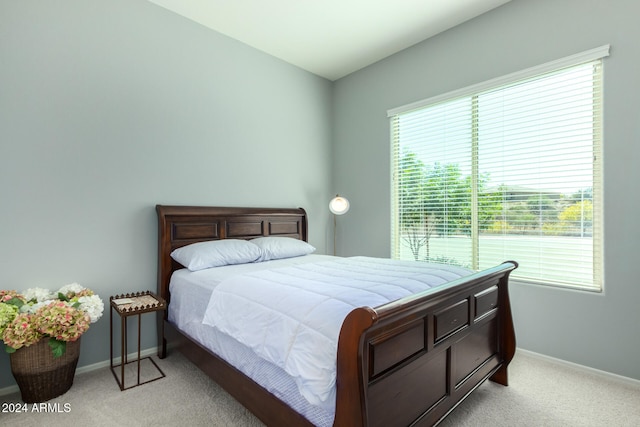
{"x":408,"y":362}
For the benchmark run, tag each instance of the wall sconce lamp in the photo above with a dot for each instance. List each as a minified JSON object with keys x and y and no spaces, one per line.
{"x":338,"y":206}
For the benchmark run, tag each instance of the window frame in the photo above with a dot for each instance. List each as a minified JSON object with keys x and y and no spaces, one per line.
{"x":505,"y":81}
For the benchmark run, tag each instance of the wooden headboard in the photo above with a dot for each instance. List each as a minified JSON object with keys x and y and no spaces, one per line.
{"x":182,"y":225}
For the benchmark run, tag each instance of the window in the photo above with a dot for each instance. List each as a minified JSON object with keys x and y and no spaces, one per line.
{"x":508,"y":169}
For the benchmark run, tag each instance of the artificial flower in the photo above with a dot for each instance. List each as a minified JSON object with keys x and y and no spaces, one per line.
{"x":37,"y":313}
{"x":93,"y":306}
{"x":72,"y":289}
{"x":38,"y":294}
{"x":8,"y":312}
{"x":22,"y":332}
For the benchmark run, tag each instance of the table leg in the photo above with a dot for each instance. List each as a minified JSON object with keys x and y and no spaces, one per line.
{"x":111,"y":336}
{"x":123,"y":346}
{"x":139,"y":348}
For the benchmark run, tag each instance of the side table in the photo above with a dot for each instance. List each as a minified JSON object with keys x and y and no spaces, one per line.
{"x":125,"y":306}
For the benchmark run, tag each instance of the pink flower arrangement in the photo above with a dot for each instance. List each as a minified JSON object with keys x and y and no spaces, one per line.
{"x":37,"y":313}
{"x":21,"y":332}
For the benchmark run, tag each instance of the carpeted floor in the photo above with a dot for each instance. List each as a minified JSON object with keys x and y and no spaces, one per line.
{"x":541,"y":393}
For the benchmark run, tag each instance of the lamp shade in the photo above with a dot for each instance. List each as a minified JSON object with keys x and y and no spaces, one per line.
{"x":339,"y":205}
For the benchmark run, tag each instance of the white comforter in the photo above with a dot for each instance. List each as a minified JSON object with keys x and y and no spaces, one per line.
{"x":292,"y":316}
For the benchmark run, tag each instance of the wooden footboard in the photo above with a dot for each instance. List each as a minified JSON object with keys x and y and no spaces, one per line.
{"x":412,"y":361}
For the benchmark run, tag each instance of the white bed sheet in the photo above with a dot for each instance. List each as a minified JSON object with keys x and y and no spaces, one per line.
{"x":190,"y":294}
{"x":191,"y":290}
{"x":292,"y":316}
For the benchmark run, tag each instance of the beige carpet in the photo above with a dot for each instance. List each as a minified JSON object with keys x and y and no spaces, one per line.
{"x":541,"y":393}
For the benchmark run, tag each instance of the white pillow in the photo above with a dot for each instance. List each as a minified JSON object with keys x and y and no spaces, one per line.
{"x":216,"y":253}
{"x":281,"y":247}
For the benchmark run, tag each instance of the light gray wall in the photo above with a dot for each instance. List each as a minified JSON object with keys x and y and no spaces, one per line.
{"x":596,"y":330}
{"x":109,"y":107}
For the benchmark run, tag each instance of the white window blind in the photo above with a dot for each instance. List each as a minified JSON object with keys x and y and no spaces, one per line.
{"x":509,"y":169}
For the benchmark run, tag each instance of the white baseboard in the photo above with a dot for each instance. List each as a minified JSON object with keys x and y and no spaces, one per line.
{"x":611,"y":376}
{"x":99,"y":365}
{"x":151,"y":351}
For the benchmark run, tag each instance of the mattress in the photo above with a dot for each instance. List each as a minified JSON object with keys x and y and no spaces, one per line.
{"x":190,"y":294}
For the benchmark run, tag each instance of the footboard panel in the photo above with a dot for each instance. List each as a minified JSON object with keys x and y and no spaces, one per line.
{"x":411,"y":395}
{"x":416,"y":359}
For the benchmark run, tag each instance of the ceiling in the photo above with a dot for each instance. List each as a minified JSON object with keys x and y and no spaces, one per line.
{"x":330,"y":38}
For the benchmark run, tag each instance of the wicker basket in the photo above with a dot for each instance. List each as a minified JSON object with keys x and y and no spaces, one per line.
{"x":39,"y":375}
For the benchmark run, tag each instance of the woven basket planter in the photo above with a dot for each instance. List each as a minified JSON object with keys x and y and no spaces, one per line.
{"x":39,"y":375}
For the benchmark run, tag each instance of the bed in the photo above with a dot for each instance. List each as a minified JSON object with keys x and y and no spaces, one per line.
{"x":407,"y":362}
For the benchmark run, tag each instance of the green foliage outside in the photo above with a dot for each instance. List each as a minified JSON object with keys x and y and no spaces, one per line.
{"x":436,"y":200}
